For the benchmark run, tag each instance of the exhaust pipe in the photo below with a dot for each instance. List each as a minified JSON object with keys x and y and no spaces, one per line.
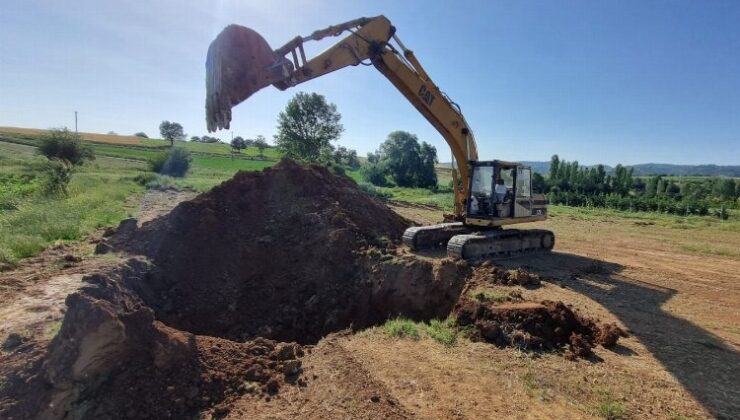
{"x":239,"y":63}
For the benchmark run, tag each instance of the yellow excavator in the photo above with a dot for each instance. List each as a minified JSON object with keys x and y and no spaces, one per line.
{"x":487,"y":194}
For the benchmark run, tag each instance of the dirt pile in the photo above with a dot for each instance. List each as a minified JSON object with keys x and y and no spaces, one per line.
{"x":291,"y":253}
{"x":545,"y":325}
{"x":489,"y":273}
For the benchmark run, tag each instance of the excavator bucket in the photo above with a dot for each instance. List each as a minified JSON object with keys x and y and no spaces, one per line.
{"x":239,"y":63}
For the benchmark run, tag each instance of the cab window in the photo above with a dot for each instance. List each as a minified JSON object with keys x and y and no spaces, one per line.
{"x":524,"y":182}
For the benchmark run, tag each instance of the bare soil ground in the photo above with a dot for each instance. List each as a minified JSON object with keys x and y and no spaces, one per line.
{"x":681,"y":310}
{"x":681,"y":359}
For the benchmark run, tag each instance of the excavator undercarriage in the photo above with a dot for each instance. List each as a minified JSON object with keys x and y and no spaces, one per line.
{"x":468,"y":243}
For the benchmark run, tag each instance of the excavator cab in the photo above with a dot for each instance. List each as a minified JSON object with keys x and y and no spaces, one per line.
{"x":500,"y":193}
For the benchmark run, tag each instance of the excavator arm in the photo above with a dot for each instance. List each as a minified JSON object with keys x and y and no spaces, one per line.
{"x":240,"y":62}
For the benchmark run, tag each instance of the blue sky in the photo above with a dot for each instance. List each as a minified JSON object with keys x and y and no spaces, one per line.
{"x":605,"y":81}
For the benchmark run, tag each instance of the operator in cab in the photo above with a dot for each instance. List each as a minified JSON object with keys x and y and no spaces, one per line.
{"x":500,"y":190}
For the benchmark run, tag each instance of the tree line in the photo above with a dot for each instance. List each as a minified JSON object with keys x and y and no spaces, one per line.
{"x":571,"y":184}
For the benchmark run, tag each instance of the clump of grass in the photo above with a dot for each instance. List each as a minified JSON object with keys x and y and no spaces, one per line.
{"x":484,"y":296}
{"x":609,"y":408}
{"x":401,"y":328}
{"x":445,"y":331}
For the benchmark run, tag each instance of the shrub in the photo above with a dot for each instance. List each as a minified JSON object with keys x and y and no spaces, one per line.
{"x":175,"y":162}
{"x":375,"y":174}
{"x":66,"y":145}
{"x":58,"y":175}
{"x":141,"y":134}
{"x":335,"y":168}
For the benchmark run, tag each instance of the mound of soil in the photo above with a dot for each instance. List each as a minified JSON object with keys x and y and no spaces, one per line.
{"x":487,"y":272}
{"x":290,"y":253}
{"x":537,"y":326}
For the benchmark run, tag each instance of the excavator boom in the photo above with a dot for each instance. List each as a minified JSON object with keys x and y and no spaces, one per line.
{"x":240,"y":62}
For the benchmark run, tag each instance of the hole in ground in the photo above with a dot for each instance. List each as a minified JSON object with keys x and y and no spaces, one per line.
{"x":303,"y":303}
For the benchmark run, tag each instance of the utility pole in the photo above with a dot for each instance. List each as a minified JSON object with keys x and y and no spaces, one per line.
{"x":75,"y":122}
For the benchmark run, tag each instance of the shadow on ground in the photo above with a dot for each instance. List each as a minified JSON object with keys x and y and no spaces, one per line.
{"x":701,"y":361}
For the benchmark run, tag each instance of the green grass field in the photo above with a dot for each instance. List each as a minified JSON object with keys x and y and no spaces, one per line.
{"x":30,"y":222}
{"x":101,"y":193}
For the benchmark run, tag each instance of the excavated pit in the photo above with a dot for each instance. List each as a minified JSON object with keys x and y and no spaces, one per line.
{"x":291,"y":254}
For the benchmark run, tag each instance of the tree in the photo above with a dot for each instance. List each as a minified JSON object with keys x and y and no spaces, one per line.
{"x":725,"y":189}
{"x":141,"y":134}
{"x":307,"y":127}
{"x":195,"y":139}
{"x":539,"y":185}
{"x":261,"y":144}
{"x":409,"y":163}
{"x":64,"y":150}
{"x":427,"y":176}
{"x":374,"y":173}
{"x":554,"y":166}
{"x":237,"y":143}
{"x":171,"y":131}
{"x":62,"y":144}
{"x":344,"y":156}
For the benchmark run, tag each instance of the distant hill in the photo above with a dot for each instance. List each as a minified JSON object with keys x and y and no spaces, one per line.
{"x":644,"y":169}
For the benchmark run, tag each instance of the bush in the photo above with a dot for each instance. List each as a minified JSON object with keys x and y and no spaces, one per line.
{"x":141,"y":134}
{"x":66,"y":145}
{"x":58,"y":175}
{"x":175,"y":162}
{"x":335,"y":168}
{"x":375,"y":174}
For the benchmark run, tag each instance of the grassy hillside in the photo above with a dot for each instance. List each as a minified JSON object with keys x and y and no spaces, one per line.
{"x":30,"y":222}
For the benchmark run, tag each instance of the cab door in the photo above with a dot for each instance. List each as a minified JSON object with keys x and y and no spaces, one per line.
{"x":523,"y":192}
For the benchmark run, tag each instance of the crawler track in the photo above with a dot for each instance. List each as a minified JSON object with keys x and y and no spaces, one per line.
{"x":433,"y":236}
{"x":500,"y":243}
